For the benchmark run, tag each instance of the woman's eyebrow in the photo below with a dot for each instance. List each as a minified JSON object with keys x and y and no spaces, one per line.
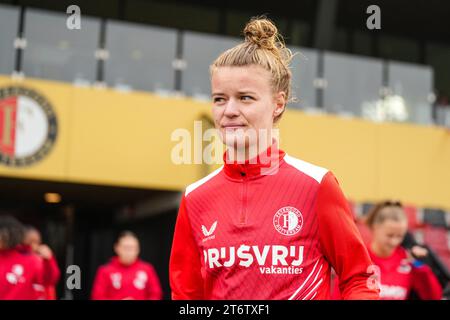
{"x":246,"y":92}
{"x":240,"y":92}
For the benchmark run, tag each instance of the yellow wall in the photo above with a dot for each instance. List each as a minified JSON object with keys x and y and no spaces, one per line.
{"x":375,"y":161}
{"x":124,"y":139}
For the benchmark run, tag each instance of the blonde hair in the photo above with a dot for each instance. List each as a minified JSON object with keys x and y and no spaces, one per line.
{"x":387,"y":210}
{"x":263,"y":46}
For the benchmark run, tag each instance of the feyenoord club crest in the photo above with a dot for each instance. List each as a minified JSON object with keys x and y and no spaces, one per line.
{"x":28,"y":126}
{"x":288,"y":221}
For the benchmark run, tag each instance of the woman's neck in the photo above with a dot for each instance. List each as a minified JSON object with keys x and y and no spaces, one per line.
{"x":246,"y":153}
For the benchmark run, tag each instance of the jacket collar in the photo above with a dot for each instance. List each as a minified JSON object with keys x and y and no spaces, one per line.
{"x":266,"y":163}
{"x":116,"y":262}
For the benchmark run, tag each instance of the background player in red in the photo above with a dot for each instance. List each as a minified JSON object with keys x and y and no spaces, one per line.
{"x":126,"y":277}
{"x":20,"y":270}
{"x":33,"y":243}
{"x":265,"y":225}
{"x":398,"y":272}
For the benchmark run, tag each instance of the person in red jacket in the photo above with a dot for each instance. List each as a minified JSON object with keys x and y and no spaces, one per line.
{"x":265,"y":225}
{"x":126,"y":277}
{"x":397,"y":270}
{"x":33,"y":243}
{"x":20,"y":270}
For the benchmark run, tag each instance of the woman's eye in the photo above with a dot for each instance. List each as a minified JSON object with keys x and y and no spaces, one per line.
{"x":218,"y":100}
{"x":247,"y":98}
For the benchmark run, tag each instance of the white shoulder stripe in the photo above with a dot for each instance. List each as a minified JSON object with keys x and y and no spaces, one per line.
{"x":315,"y":172}
{"x":198,"y":183}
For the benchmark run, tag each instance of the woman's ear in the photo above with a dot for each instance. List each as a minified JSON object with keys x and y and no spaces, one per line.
{"x":280,"y":103}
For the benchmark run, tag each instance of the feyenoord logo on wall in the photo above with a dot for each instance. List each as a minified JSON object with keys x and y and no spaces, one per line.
{"x":28,"y":126}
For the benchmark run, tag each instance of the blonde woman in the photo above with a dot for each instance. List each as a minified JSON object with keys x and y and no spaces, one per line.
{"x":265,"y":225}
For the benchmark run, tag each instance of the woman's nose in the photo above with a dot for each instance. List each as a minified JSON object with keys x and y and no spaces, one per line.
{"x":232,"y":108}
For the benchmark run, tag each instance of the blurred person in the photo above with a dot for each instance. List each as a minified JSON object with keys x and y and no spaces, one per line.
{"x":398,"y":271}
{"x":126,"y":277}
{"x":267,"y":225}
{"x":20,"y":270}
{"x":33,"y":242}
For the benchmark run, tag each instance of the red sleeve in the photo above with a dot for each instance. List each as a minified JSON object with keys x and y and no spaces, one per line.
{"x":425,"y":283}
{"x":100,"y":286}
{"x":342,"y":243}
{"x":39,"y":265}
{"x":51,"y":271}
{"x":154,"y":291}
{"x":186,"y":280}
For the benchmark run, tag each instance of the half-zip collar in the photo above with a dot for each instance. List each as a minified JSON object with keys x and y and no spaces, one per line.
{"x":266,"y":163}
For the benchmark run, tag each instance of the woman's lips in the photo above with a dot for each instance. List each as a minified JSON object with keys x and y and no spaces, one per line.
{"x":233,"y":127}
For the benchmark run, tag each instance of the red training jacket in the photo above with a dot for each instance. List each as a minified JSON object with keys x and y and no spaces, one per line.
{"x":271,"y":229}
{"x":20,"y":272}
{"x":52,"y":275}
{"x":115,"y":281}
{"x":398,"y":276}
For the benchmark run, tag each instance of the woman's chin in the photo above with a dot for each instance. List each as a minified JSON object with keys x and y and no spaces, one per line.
{"x":231,"y":139}
{"x":235,"y":142}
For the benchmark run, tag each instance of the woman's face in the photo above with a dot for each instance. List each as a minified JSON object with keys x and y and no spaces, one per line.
{"x":244,"y":104}
{"x":389,"y":234}
{"x":33,"y":239}
{"x":127,"y":249}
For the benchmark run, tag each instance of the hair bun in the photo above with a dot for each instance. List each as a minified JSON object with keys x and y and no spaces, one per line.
{"x":262,"y":32}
